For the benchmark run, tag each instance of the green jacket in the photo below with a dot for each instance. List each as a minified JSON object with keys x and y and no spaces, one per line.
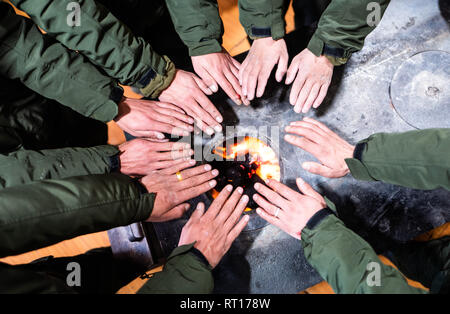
{"x":199,"y":25}
{"x":100,"y":40}
{"x":416,"y":159}
{"x":42,"y":213}
{"x":341,"y":30}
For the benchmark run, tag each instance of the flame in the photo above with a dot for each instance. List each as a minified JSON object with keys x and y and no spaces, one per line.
{"x":260,"y":153}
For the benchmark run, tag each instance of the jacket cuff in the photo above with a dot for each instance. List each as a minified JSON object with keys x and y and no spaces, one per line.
{"x":318,"y":217}
{"x":337,"y":56}
{"x":356,"y":166}
{"x":205,"y":47}
{"x":275,"y":31}
{"x":152,"y":83}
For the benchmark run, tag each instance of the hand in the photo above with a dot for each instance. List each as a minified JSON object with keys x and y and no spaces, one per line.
{"x":145,"y":118}
{"x":257,"y":66}
{"x":141,"y":157}
{"x":312,"y":78}
{"x":322,"y":143}
{"x":172,"y":193}
{"x":219,"y":68}
{"x":214,"y":231}
{"x":187,"y":92}
{"x":288,"y":210}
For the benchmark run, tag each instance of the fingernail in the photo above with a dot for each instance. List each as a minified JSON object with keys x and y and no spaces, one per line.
{"x":187,"y":206}
{"x":208,"y":167}
{"x":246,"y":217}
{"x":229,"y":188}
{"x":209,"y":131}
{"x":257,"y":186}
{"x":191,"y":121}
{"x":255,"y":197}
{"x":160,"y":136}
{"x":244,"y":199}
{"x":306,"y":166}
{"x":238,"y":102}
{"x":214,"y":88}
{"x":215,"y":172}
{"x":192,"y":162}
{"x":240,"y":190}
{"x":191,"y":152}
{"x":212,"y":183}
{"x":219,"y":119}
{"x":258,"y":211}
{"x":300,"y":181}
{"x":287,"y":129}
{"x":218,"y":128}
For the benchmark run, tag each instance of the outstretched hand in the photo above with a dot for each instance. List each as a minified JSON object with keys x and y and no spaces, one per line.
{"x":318,"y":140}
{"x":174,"y":187}
{"x":214,"y":231}
{"x":285,"y":208}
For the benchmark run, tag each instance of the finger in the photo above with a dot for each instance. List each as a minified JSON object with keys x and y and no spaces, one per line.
{"x":157,"y":128}
{"x":148,"y":134}
{"x":282,"y":67}
{"x":176,"y":154}
{"x":251,"y":82}
{"x":168,"y":146}
{"x":195,"y":191}
{"x":267,"y":206}
{"x":172,"y":121}
{"x":237,"y":212}
{"x":242,"y":71}
{"x":236,"y":65}
{"x":202,"y":118}
{"x":319,"y":169}
{"x":292,"y":71}
{"x":303,"y":143}
{"x":311,"y":98}
{"x":192,"y":172}
{"x":307,"y":189}
{"x":173,"y":166}
{"x":308,"y":133}
{"x":306,"y":89}
{"x":322,"y":127}
{"x":210,"y":109}
{"x":305,"y":124}
{"x":229,"y":206}
{"x":271,"y":195}
{"x":263,"y":77}
{"x":198,"y":212}
{"x":269,"y":218}
{"x":208,"y":80}
{"x":322,"y":95}
{"x":218,"y":203}
{"x":174,"y":213}
{"x":296,"y":88}
{"x":282,"y":189}
{"x":176,"y":114}
{"x":203,"y":86}
{"x":166,"y":105}
{"x":236,"y":231}
{"x":195,"y":181}
{"x":230,"y":86}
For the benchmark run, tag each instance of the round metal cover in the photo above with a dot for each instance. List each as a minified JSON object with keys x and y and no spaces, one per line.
{"x":420,"y":90}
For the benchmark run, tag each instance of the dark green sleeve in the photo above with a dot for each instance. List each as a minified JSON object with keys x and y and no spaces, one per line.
{"x":343,"y":28}
{"x":39,"y":214}
{"x":262,"y":18}
{"x":198,"y":24}
{"x":183,"y":273}
{"x":51,"y":70}
{"x":415,"y":159}
{"x":26,"y":166}
{"x":103,"y":39}
{"x":347,"y":262}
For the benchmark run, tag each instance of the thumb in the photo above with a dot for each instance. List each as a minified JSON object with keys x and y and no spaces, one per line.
{"x":317,"y":168}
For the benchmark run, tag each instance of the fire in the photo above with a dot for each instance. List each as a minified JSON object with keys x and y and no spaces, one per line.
{"x":248,"y":157}
{"x":260,"y":153}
